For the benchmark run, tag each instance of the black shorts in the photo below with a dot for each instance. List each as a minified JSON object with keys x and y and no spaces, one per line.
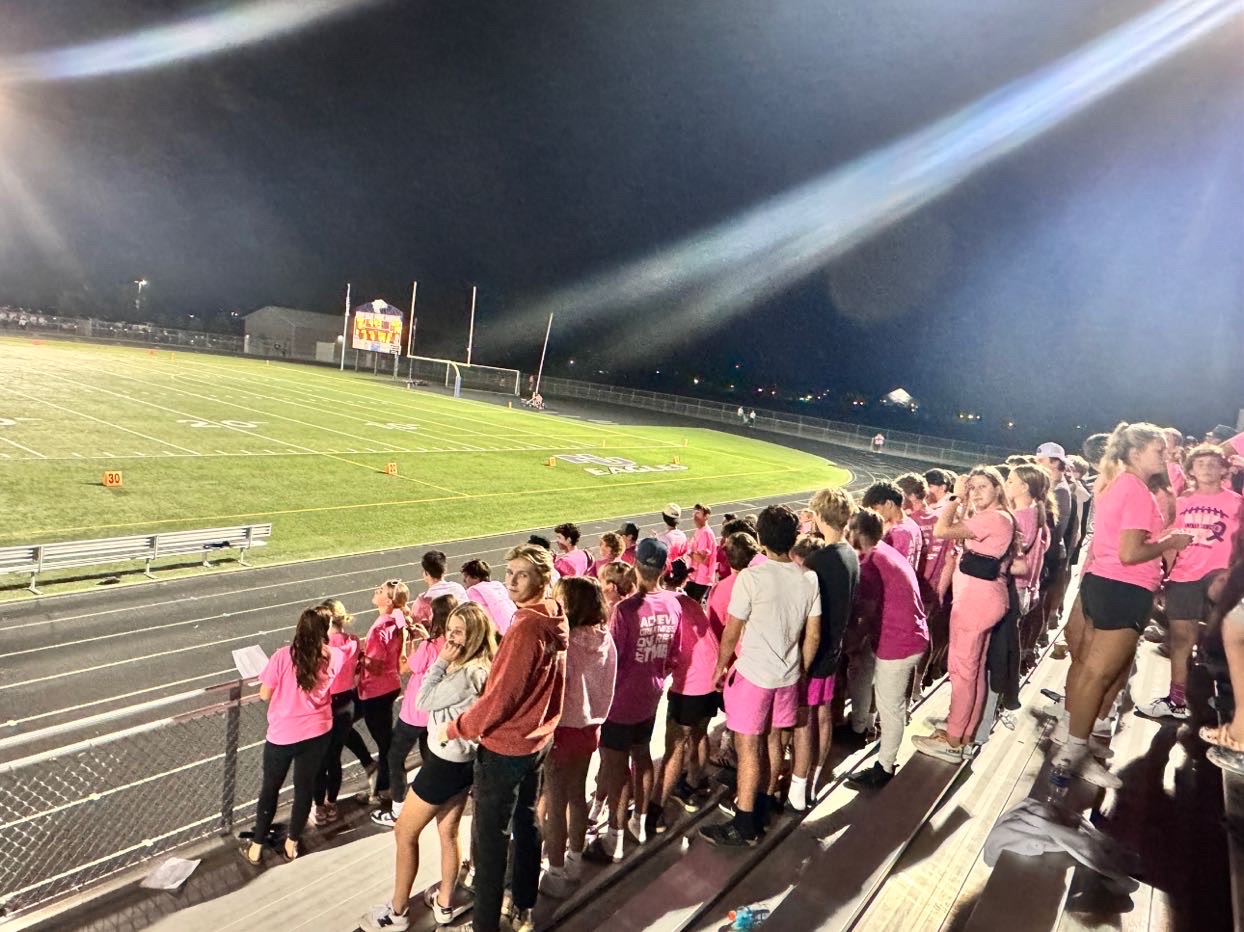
{"x":618,"y":737}
{"x":1110,"y":605}
{"x":696,"y":590}
{"x":690,"y":711}
{"x":1189,"y":601}
{"x":439,"y":780}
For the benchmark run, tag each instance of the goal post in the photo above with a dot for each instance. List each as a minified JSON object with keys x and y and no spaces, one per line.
{"x":473,"y":376}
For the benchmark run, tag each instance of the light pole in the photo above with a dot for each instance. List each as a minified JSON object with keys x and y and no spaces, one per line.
{"x":138,"y":297}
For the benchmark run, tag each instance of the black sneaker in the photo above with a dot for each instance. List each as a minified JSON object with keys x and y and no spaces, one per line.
{"x":727,"y":806}
{"x":726,"y":835}
{"x":874,"y":778}
{"x":686,"y":796}
{"x":768,"y":809}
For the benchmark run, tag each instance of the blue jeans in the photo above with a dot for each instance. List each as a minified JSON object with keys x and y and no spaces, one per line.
{"x":506,"y":789}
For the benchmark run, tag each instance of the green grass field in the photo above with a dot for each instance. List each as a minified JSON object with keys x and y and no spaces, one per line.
{"x":211,"y":440}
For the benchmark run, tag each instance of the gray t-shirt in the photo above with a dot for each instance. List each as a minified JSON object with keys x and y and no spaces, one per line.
{"x":775,"y":599}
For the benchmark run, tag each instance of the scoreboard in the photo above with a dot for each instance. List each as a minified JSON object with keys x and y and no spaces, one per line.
{"x":378,"y":328}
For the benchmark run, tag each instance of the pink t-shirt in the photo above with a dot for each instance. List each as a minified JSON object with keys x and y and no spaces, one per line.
{"x":383,"y":652}
{"x":907,"y":538}
{"x":495,"y":599}
{"x":573,"y":563}
{"x":933,"y":556}
{"x":696,"y":660}
{"x":1127,"y":505}
{"x":676,"y":541}
{"x":1033,"y":542}
{"x":421,"y":608}
{"x":420,"y":661}
{"x":719,"y":602}
{"x":645,"y":630}
{"x":1214,"y":517}
{"x":293,"y":714}
{"x":348,"y":645}
{"x":1179,"y":481}
{"x":704,"y":541}
{"x":1237,"y":444}
{"x":887,"y":578}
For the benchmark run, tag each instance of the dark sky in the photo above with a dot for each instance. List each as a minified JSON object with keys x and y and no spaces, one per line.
{"x":1095,"y":274}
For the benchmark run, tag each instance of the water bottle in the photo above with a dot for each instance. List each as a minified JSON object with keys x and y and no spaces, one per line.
{"x":747,"y":917}
{"x":1057,"y":788}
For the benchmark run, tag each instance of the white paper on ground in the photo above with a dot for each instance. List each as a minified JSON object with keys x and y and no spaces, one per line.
{"x":250,"y":661}
{"x":170,"y":874}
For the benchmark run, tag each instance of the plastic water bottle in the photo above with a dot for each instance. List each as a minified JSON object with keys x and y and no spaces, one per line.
{"x":747,"y":917}
{"x":1057,"y":788}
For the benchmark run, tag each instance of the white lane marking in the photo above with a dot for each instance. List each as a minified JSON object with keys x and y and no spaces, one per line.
{"x":137,"y":692}
{"x":19,"y":446}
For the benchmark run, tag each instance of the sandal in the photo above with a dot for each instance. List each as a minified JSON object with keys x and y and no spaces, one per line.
{"x":297,"y":850}
{"x":1225,"y":759}
{"x":245,"y":853}
{"x":1220,"y":736}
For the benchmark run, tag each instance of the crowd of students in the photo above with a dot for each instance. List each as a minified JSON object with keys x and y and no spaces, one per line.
{"x":513,"y":689}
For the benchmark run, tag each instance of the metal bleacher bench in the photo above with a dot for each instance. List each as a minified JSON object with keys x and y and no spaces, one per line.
{"x":43,"y":558}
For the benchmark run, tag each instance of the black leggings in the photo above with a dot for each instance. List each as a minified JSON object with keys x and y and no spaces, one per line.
{"x":378,"y":716}
{"x":328,"y":777}
{"x":306,"y":756}
{"x":405,"y":737}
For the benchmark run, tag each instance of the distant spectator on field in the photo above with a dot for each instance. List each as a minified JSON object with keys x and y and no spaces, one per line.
{"x":487,"y":592}
{"x":433,"y":566}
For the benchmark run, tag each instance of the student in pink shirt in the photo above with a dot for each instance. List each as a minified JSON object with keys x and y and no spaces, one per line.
{"x":693,"y":701}
{"x":380,"y":681}
{"x":617,"y":581}
{"x":610,"y":549}
{"x":328,"y":778}
{"x":674,"y":539}
{"x":629,"y":533}
{"x":1212,"y":514}
{"x":489,"y":593}
{"x":422,"y":646}
{"x":570,"y":560}
{"x":1032,"y":503}
{"x":702,"y":553}
{"x":645,"y":630}
{"x":1117,"y":589}
{"x":893,"y":617}
{"x":433,"y":565}
{"x":591,"y":670}
{"x":981,"y":599}
{"x":901,"y":532}
{"x":741,"y":549}
{"x":296,"y":684}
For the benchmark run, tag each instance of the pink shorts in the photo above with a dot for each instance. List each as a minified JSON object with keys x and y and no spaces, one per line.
{"x":819,"y":690}
{"x":571,"y":743}
{"x":754,"y":710}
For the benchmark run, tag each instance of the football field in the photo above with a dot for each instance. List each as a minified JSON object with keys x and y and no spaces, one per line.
{"x":204,"y":441}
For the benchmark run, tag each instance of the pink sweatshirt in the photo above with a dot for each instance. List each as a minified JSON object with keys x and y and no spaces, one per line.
{"x":591,"y":668}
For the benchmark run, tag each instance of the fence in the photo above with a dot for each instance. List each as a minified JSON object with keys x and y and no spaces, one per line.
{"x":77,"y":813}
{"x":92,"y":330}
{"x":930,"y":450}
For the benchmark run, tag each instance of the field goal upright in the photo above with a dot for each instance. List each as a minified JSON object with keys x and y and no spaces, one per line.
{"x":476,"y":377}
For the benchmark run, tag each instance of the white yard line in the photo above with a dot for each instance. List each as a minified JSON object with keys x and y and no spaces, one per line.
{"x":91,"y":417}
{"x":27,"y":449}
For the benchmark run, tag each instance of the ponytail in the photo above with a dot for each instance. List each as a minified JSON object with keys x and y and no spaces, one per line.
{"x":307,"y":648}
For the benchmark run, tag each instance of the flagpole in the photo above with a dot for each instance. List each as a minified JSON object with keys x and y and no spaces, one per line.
{"x":345,"y":329}
{"x":540,"y":371}
{"x":410,"y":340}
{"x":471,"y":331}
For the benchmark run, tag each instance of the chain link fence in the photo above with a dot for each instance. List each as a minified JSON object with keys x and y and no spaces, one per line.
{"x":78,"y":813}
{"x":930,"y":450}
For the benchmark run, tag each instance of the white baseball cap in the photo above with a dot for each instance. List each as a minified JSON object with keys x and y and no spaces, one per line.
{"x":672,"y":510}
{"x":1052,"y":450}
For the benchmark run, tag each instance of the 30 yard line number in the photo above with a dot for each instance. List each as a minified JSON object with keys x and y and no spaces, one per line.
{"x":236,"y":425}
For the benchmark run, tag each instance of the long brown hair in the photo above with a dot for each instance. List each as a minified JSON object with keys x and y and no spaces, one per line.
{"x":442,"y":608}
{"x":583,"y":601}
{"x":1039,"y":487}
{"x":306,"y":650}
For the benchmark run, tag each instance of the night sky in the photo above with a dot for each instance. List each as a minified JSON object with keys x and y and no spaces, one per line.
{"x":1096,"y":274}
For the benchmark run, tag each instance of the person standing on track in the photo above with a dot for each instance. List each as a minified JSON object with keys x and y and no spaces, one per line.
{"x":296,"y":684}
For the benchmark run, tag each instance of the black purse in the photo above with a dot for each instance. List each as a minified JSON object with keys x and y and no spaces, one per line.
{"x":980,"y":565}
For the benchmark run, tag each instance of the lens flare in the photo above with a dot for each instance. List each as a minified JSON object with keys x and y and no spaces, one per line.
{"x":197,"y":36}
{"x":725,"y":269}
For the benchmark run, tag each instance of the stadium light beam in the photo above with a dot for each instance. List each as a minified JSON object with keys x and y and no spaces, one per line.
{"x":722,"y":270}
{"x":197,"y":36}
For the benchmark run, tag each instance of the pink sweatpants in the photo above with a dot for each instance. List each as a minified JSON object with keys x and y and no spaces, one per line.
{"x":978,"y":606}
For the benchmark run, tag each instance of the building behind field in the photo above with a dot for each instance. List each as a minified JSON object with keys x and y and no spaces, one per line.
{"x":286,"y":331}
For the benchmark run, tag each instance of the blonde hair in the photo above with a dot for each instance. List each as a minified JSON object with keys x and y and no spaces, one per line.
{"x":833,"y":506}
{"x":396,"y":592}
{"x":341,"y":618}
{"x":806,"y":545}
{"x":622,"y":575}
{"x":479,"y":645}
{"x":1123,"y":441}
{"x":995,"y":479}
{"x":540,"y":559}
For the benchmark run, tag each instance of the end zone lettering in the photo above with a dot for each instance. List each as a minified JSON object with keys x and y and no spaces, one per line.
{"x":614,"y":465}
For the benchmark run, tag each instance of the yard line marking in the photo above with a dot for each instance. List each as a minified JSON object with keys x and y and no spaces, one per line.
{"x":4,"y":455}
{"x":20,"y":447}
{"x":91,"y":417}
{"x":79,"y":455}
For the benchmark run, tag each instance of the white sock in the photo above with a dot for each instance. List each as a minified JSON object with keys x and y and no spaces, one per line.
{"x":612,"y":842}
{"x":574,"y":864}
{"x":397,"y":807}
{"x":798,"y":795}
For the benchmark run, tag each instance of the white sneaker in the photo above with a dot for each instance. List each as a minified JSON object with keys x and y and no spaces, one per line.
{"x":1163,"y":708}
{"x":443,"y":915}
{"x":384,"y":919}
{"x":1103,"y":728}
{"x":574,"y":865}
{"x":556,"y":882}
{"x":938,"y":747}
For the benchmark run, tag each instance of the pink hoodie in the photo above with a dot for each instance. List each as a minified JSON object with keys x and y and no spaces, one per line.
{"x":591,"y":667}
